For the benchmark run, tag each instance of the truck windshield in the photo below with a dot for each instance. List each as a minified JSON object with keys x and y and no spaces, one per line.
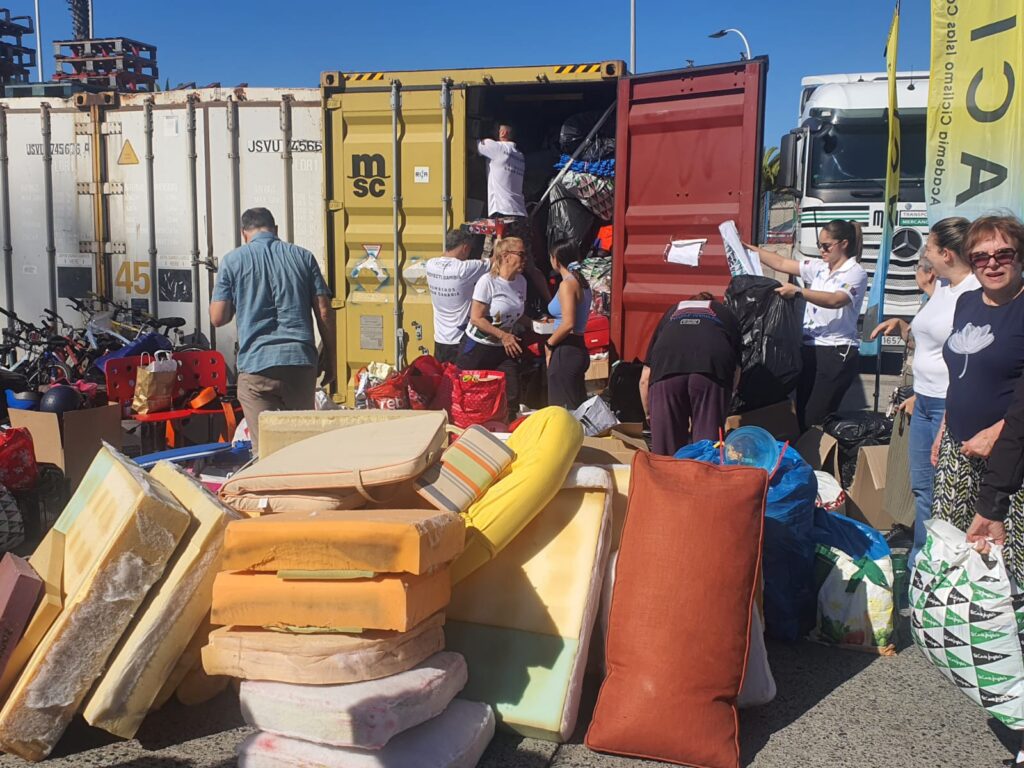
{"x":851,"y":155}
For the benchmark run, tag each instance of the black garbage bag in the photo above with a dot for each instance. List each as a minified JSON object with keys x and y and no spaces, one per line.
{"x":772,"y":329}
{"x":623,"y":392}
{"x":569,"y":219}
{"x":575,"y":130}
{"x":851,"y":431}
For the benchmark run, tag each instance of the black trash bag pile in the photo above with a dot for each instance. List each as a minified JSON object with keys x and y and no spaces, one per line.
{"x":851,"y":431}
{"x":575,"y":130}
{"x":569,"y":219}
{"x":772,"y":329}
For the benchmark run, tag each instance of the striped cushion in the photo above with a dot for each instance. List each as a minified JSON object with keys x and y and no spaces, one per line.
{"x":467,"y":468}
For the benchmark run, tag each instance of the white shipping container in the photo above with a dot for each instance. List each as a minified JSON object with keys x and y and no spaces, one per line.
{"x":244,"y":147}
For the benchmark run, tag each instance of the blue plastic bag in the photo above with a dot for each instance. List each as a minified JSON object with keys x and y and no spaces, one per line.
{"x":146,"y":343}
{"x":788,"y":553}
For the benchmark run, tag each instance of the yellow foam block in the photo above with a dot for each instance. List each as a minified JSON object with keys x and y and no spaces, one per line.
{"x":189,"y":659}
{"x":139,"y":525}
{"x":383,"y":541}
{"x":325,"y":659}
{"x":620,"y":499}
{"x":48,"y":562}
{"x":545,"y":444}
{"x":279,"y":429}
{"x":397,"y":602}
{"x":168,"y":619}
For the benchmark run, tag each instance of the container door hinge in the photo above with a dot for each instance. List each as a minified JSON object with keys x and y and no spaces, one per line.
{"x":337,"y":303}
{"x":335,"y":205}
{"x":112,"y":128}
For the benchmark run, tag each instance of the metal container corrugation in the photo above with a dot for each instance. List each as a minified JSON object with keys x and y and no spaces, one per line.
{"x":146,"y":192}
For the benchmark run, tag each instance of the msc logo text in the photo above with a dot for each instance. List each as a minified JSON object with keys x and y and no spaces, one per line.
{"x":368,"y":175}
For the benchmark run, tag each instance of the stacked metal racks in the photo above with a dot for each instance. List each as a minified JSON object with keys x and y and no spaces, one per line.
{"x":112,"y":63}
{"x":16,"y":59}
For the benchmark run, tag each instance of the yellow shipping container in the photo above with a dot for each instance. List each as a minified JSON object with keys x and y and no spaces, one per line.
{"x":401,"y":168}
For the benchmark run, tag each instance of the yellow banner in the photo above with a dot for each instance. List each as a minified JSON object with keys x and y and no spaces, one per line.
{"x":975,"y":114}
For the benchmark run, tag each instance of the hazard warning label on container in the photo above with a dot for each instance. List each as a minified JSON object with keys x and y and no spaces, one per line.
{"x":127,"y":156}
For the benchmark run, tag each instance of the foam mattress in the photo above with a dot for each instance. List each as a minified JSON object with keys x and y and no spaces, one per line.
{"x":455,"y":739}
{"x":398,"y":602}
{"x":326,"y":659}
{"x":132,"y":540}
{"x":170,"y":616}
{"x":382,"y":541}
{"x":524,"y":620}
{"x":279,"y":429}
{"x":365,"y":715}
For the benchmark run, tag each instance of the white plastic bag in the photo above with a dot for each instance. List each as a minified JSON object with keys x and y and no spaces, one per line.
{"x":965,"y":614}
{"x":324,"y":402}
{"x":596,"y":417}
{"x":758,"y":683}
{"x":831,"y":496}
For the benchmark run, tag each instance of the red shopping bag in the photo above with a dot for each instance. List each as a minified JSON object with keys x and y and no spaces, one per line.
{"x":477,"y":397}
{"x":423,"y":378}
{"x":390,"y":395}
{"x":18,"y":469}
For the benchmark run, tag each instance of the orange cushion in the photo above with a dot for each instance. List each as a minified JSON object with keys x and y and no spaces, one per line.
{"x":680,"y":613}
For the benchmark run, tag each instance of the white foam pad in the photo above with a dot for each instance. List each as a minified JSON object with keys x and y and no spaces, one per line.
{"x":365,"y":715}
{"x":455,"y":739}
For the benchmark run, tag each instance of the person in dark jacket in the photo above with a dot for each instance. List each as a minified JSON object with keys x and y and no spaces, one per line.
{"x":1004,"y":476}
{"x":691,"y":370}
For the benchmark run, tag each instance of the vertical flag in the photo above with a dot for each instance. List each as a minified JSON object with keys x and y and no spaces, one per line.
{"x":975,"y":109}
{"x":876,"y":296}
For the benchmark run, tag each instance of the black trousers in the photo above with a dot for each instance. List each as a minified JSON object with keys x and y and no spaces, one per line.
{"x":474,"y":356}
{"x":567,"y":370}
{"x":445,"y":353}
{"x":827,"y":373}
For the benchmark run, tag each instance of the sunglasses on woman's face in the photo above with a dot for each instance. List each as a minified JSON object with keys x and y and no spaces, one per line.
{"x":826,"y":247}
{"x":1003,"y":257}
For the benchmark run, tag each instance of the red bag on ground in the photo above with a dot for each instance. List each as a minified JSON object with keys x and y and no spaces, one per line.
{"x":18,"y":468}
{"x":391,"y":395}
{"x":423,"y":377}
{"x":473,"y":397}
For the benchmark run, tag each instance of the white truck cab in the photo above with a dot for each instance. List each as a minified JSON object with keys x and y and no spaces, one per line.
{"x":834,"y":162}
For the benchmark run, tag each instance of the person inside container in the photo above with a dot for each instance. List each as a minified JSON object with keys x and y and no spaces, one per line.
{"x":984,"y":355}
{"x":451,"y":279}
{"x":506,"y":169}
{"x":274,"y":290}
{"x":952,"y":278}
{"x":691,"y":371}
{"x":835,"y":289}
{"x":567,"y":354}
{"x":491,"y":341}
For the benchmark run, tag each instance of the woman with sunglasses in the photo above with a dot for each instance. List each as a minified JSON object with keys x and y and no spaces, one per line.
{"x":944,"y":252}
{"x":985,"y":358}
{"x":499,"y":301}
{"x":836,"y":286}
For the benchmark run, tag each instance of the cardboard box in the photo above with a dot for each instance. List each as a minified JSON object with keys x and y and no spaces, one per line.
{"x":598,"y":370}
{"x":83,"y":434}
{"x":866,"y":494}
{"x":779,"y":419}
{"x":820,"y":450}
{"x":618,"y":448}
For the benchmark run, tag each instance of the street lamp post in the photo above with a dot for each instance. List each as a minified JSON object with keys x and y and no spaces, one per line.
{"x":724,"y":32}
{"x":632,"y":36}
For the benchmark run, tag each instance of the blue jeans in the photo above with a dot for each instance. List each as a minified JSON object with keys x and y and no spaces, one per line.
{"x":924,"y":426}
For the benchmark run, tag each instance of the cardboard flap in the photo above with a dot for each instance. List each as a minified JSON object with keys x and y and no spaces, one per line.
{"x":866,"y":494}
{"x":778,"y":419}
{"x":820,"y":450}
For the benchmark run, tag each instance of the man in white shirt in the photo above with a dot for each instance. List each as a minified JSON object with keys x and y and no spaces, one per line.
{"x":451,"y":279}
{"x":506,"y":168}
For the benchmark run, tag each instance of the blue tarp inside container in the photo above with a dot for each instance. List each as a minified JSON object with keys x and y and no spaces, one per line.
{"x":788,"y":556}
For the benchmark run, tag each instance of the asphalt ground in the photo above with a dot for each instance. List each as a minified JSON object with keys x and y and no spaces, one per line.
{"x":834,"y":708}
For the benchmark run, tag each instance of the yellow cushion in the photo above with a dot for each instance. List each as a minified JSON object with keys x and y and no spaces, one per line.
{"x":545,"y":445}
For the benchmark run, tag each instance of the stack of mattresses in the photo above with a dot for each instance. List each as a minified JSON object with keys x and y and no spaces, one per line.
{"x":333,"y":621}
{"x":108,"y":548}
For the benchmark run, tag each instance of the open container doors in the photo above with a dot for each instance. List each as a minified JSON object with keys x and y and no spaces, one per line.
{"x":688,"y":158}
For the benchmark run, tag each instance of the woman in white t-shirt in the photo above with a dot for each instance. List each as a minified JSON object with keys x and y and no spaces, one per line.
{"x":835,"y":289}
{"x":930,"y":329}
{"x":499,"y":300}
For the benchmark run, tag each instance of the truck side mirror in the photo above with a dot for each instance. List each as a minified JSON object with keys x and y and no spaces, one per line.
{"x":788,"y":149}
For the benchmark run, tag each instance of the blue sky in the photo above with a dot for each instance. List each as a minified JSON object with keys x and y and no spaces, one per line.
{"x":289,"y":44}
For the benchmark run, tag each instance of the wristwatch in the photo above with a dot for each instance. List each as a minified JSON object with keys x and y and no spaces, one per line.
{"x":549,"y":346}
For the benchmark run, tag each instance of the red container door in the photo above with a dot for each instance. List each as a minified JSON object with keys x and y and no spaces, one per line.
{"x":688,"y":158}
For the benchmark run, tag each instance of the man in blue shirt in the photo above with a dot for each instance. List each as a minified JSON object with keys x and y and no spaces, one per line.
{"x":274,"y":290}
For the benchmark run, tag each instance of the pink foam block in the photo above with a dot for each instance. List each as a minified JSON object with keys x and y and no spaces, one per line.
{"x":20,"y":588}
